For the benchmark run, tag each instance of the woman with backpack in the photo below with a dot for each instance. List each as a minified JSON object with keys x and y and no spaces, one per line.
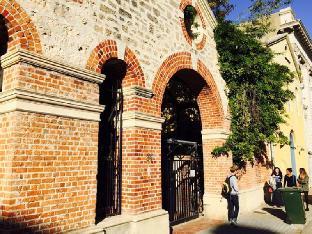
{"x":289,"y":179}
{"x":303,"y":183}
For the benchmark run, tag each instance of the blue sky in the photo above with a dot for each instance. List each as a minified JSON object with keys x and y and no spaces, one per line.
{"x":302,"y":8}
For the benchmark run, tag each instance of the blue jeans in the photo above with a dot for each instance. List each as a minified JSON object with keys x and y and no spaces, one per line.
{"x":233,"y":207}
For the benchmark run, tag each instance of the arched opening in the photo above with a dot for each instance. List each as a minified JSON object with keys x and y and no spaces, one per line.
{"x":110,"y":141}
{"x":182,"y":155}
{"x":4,"y":38}
{"x":292,"y":152}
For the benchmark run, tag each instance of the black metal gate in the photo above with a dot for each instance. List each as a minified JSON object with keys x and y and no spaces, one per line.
{"x":110,"y":153}
{"x":182,"y":180}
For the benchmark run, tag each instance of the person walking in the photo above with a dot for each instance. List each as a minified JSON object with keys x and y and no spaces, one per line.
{"x":303,"y":183}
{"x":233,"y":201}
{"x":277,"y":176}
{"x":289,"y":179}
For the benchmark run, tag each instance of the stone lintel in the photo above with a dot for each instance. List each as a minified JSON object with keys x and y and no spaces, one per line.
{"x":209,"y":134}
{"x":40,"y":61}
{"x":21,"y":100}
{"x":133,"y":91}
{"x":132,"y":119}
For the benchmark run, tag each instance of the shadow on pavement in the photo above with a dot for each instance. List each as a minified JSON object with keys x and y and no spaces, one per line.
{"x":229,"y":229}
{"x":279,"y":213}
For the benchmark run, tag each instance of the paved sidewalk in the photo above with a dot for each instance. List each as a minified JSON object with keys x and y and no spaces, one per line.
{"x":266,"y":220}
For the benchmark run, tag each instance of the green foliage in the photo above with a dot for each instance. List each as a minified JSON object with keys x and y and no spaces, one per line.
{"x":220,"y":8}
{"x":257,"y":92}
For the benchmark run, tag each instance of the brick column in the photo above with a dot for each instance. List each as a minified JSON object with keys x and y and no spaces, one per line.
{"x":215,"y":171}
{"x":141,"y":163}
{"x":49,"y":117}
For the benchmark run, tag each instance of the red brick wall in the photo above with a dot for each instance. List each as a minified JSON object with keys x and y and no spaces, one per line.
{"x":141,"y":164}
{"x":216,"y":169}
{"x":54,"y":166}
{"x":27,"y":77}
{"x":7,"y":144}
{"x":253,"y":176}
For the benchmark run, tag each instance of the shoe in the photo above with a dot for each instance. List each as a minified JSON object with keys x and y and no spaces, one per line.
{"x":234,"y":221}
{"x":307,"y":209}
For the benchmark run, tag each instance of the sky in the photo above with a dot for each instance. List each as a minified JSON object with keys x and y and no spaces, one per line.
{"x":302,"y":9}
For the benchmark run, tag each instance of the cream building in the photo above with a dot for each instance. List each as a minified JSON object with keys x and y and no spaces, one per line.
{"x":291,"y":43}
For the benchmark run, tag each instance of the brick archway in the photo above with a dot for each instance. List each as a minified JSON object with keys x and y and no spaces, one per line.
{"x":209,"y":100}
{"x":212,"y":117}
{"x":109,"y":49}
{"x":21,"y":29}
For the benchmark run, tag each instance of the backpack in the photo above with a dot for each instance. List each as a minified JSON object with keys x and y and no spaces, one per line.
{"x":226,"y":187}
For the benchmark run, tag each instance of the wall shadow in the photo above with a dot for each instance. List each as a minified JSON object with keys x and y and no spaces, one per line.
{"x":16,"y":228}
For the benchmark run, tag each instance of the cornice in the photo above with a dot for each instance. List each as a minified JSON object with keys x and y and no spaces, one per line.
{"x":276,"y":39}
{"x":133,"y":119}
{"x":137,"y":91}
{"x":209,"y":134}
{"x":298,"y":27}
{"x":38,"y":60}
{"x":23,"y":100}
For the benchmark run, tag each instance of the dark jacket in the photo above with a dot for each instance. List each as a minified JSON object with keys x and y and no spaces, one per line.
{"x":290,"y":181}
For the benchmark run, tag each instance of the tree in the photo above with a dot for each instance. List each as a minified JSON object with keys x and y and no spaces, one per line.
{"x":221,"y":8}
{"x":257,"y":93}
{"x":257,"y":8}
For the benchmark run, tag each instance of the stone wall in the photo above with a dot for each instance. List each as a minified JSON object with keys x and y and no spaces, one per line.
{"x":69,"y":31}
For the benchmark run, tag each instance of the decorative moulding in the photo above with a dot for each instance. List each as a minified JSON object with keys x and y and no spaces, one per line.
{"x":37,"y":60}
{"x":208,"y":134}
{"x":132,"y":119}
{"x":23,"y":100}
{"x":137,"y":91}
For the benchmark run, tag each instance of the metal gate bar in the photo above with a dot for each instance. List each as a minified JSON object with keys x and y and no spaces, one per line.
{"x":182,"y":175}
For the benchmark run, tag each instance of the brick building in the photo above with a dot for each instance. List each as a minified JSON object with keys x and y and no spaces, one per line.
{"x":82,"y":116}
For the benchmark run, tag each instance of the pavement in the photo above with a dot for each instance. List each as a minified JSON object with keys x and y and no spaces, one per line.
{"x":265,"y":220}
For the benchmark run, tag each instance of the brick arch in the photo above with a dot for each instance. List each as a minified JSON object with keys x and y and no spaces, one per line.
{"x":109,"y":49}
{"x":21,"y":29}
{"x":209,"y":100}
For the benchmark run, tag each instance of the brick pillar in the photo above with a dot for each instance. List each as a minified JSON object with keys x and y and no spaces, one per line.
{"x":215,"y":171}
{"x":49,"y":115}
{"x":141,"y":163}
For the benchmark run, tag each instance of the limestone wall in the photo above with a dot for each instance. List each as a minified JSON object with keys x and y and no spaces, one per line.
{"x":70,"y":30}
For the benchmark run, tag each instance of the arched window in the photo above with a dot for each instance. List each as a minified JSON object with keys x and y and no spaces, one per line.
{"x":110,"y":141}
